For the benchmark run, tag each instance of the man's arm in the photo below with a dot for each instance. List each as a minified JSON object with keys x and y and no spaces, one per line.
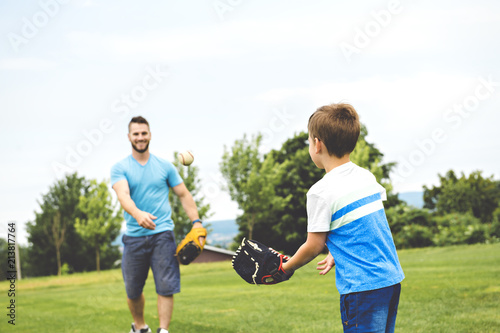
{"x":313,"y":246}
{"x":188,"y":203}
{"x":144,"y":219}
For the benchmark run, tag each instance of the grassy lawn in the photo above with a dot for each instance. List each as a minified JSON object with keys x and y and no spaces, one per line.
{"x":452,"y":289}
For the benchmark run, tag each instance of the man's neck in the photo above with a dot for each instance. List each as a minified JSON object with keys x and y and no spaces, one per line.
{"x":142,"y":158}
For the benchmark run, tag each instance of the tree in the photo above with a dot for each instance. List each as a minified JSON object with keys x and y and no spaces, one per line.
{"x":474,"y":194}
{"x":53,"y":226}
{"x":59,"y":210}
{"x":190,"y":177}
{"x":251,"y":182}
{"x":241,"y":168}
{"x":285,"y":227}
{"x":102,"y":221}
{"x":56,"y":235}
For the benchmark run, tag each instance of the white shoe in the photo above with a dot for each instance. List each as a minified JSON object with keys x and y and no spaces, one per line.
{"x":161,"y":330}
{"x":142,"y":330}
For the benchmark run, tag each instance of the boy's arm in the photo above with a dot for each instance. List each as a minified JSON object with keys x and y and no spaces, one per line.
{"x":313,"y":246}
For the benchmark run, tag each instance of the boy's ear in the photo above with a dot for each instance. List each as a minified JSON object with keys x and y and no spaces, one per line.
{"x":317,"y":145}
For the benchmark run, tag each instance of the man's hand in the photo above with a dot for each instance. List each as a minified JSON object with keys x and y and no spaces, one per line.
{"x":200,"y":239}
{"x":326,"y":264}
{"x":145,"y":220}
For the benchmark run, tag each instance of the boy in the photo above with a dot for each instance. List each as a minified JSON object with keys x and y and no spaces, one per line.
{"x":345,"y":211}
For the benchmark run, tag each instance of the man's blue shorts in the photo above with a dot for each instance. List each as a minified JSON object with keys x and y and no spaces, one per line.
{"x":370,"y":311}
{"x":156,"y":251}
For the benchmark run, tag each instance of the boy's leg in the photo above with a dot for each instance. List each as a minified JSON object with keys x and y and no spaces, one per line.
{"x":370,"y":311}
{"x":393,"y":308}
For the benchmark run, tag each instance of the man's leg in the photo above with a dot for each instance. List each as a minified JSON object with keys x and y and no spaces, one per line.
{"x":135,"y":268}
{"x":165,"y":309}
{"x":136,"y":307}
{"x":166,"y":274}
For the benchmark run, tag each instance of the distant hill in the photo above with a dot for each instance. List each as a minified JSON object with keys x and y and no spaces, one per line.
{"x":415,"y":199}
{"x":222,"y":232}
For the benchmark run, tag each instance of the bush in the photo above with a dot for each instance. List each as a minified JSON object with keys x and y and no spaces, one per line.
{"x":411,"y":227}
{"x":414,"y":236}
{"x":455,"y":228}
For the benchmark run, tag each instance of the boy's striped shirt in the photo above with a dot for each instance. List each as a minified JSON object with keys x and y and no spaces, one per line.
{"x":348,"y":204}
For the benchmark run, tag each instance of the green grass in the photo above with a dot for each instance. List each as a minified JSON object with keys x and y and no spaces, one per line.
{"x":452,"y":289}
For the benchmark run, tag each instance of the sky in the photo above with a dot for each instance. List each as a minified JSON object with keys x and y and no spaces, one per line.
{"x":424,"y":77}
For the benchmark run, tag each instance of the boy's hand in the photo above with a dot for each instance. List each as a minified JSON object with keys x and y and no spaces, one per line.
{"x":326,"y":264}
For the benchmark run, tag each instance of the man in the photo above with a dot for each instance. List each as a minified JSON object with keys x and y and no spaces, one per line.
{"x":142,"y":182}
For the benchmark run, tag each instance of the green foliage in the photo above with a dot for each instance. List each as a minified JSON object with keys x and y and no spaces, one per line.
{"x":285,"y":227}
{"x":474,"y":194}
{"x":52,"y":234}
{"x":182,"y":223}
{"x":65,"y":269}
{"x":54,"y":225}
{"x":411,"y":227}
{"x":495,"y":225}
{"x":455,"y":228}
{"x":251,"y":182}
{"x":103,"y":218}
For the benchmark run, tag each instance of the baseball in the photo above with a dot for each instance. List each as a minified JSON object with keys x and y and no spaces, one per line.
{"x":186,"y":158}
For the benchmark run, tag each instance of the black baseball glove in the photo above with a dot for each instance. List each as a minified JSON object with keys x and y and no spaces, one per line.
{"x":259,"y":264}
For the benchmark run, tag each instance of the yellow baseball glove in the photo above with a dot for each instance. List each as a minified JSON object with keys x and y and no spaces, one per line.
{"x":190,"y":247}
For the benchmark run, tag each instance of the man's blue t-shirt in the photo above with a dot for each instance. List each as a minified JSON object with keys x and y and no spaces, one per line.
{"x":149,"y":187}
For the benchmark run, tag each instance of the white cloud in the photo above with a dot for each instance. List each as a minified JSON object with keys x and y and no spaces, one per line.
{"x":419,"y":96}
{"x":230,"y":40}
{"x":26,"y":64}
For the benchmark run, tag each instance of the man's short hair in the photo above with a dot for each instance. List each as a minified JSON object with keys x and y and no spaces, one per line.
{"x":138,"y":120}
{"x":337,"y":126}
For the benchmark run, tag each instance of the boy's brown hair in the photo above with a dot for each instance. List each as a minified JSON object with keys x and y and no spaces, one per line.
{"x":337,"y":126}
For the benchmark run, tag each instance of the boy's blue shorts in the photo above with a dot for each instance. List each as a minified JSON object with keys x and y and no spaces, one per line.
{"x":370,"y":311}
{"x":156,"y":251}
